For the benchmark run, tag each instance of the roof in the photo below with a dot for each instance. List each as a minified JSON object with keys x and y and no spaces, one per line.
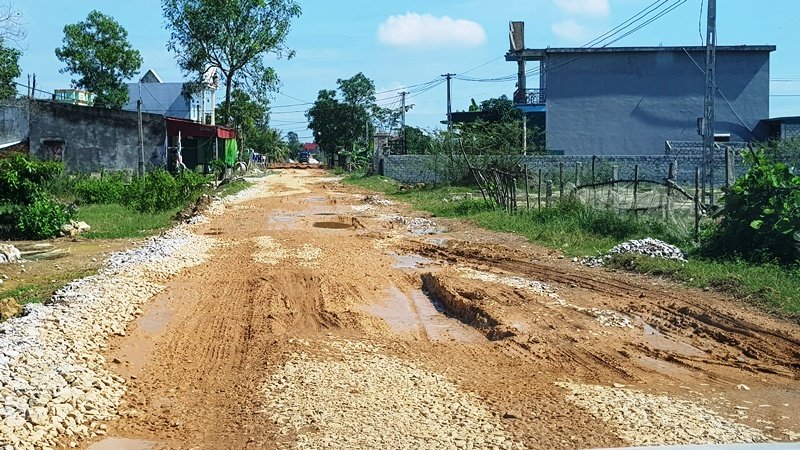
{"x":311,"y":146}
{"x":159,"y":98}
{"x":151,"y":77}
{"x":785,"y":119}
{"x":538,"y":53}
{"x":187,"y":128}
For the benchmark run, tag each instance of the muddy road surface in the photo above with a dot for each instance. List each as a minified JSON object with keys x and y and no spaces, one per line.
{"x":329,"y":318}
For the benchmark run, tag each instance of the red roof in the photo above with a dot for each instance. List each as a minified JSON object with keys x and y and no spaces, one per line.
{"x":187,"y":128}
{"x":311,"y":147}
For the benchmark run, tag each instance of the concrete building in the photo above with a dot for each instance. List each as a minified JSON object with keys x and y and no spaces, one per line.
{"x":172,"y":100}
{"x":631,"y":100}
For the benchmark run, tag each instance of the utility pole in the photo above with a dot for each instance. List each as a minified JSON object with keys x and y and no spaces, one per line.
{"x":403,"y":122}
{"x":141,"y":137}
{"x":524,"y":133}
{"x":708,"y":103}
{"x":449,"y":76}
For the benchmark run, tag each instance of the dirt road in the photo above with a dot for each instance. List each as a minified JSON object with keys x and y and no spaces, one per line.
{"x":327,"y":320}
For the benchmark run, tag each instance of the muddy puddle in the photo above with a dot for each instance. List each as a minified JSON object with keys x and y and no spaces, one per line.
{"x":414,"y":314}
{"x":332,"y":225}
{"x":664,"y":367}
{"x":658,"y":341}
{"x":115,"y":443}
{"x":410,"y":261}
{"x":42,"y":251}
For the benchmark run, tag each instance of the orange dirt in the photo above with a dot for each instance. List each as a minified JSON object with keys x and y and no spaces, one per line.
{"x":285,"y":272}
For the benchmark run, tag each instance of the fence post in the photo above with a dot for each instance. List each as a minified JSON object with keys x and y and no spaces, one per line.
{"x":561,"y":180}
{"x":527,"y":196}
{"x":697,"y":204}
{"x":539,"y":195}
{"x":730,"y":171}
{"x":514,"y":194}
{"x":549,"y":193}
{"x":670,"y":180}
{"x":635,"y":189}
{"x":577,"y":174}
{"x":594,"y":159}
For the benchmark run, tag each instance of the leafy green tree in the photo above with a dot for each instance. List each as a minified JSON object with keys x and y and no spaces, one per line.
{"x":499,"y":131}
{"x":293,"y":144}
{"x":97,"y":51}
{"x":9,"y":70}
{"x":339,"y":125}
{"x":233,"y":36}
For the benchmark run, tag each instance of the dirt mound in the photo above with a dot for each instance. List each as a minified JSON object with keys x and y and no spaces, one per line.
{"x":296,"y":166}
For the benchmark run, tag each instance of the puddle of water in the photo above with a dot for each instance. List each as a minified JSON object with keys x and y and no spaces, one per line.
{"x":658,"y":341}
{"x":424,"y":231}
{"x":409,"y":261}
{"x":115,"y":443}
{"x":438,"y":241}
{"x":282,"y":218}
{"x":316,"y":199}
{"x":332,"y":225}
{"x":664,"y":367}
{"x":415,"y":314}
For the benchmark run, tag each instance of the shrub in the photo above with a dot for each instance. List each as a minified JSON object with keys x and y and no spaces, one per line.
{"x":159,"y":191}
{"x":760,"y":219}
{"x":41,"y":219}
{"x":105,"y":190}
{"x":22,"y":179}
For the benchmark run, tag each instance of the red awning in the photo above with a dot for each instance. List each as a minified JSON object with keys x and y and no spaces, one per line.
{"x":189,"y":129}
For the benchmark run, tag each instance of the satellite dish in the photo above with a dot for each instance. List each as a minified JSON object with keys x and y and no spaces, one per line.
{"x":516,"y":36}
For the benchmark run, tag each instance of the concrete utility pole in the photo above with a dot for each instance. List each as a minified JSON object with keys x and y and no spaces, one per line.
{"x":524,"y":133}
{"x":141,"y":137}
{"x":449,"y":76}
{"x":708,"y":103}
{"x":403,"y":122}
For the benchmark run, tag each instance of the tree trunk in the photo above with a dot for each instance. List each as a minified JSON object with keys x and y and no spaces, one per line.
{"x":228,"y":85}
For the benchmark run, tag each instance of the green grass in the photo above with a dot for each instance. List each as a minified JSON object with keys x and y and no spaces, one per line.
{"x":581,"y":231}
{"x":233,"y":187}
{"x":38,"y":292}
{"x":116,"y":221}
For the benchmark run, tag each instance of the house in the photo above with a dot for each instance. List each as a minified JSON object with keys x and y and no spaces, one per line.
{"x":90,"y":139}
{"x":631,"y":100}
{"x":172,"y":99}
{"x":74,"y":97}
{"x":311,"y":147}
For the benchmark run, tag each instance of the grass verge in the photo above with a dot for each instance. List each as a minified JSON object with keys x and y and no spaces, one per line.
{"x":40,"y":290}
{"x":116,"y":221}
{"x":580,"y":231}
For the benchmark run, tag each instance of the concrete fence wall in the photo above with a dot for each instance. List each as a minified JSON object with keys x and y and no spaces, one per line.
{"x":439,"y":168}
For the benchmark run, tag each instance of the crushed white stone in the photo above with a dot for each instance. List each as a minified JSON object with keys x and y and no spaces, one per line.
{"x":653,"y":248}
{"x":647,"y":419}
{"x":360,"y":398}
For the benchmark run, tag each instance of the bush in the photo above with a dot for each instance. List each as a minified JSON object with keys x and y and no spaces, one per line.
{"x":21,"y":179}
{"x":105,"y":190}
{"x":41,"y":219}
{"x":760,"y":219}
{"x":159,"y":191}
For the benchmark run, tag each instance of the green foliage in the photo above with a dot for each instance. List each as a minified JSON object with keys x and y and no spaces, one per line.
{"x":40,"y":219}
{"x":339,"y":124}
{"x":760,"y":219}
{"x":113,"y":221}
{"x":233,"y":36}
{"x":499,"y":131}
{"x":97,"y":51}
{"x":107,"y":189}
{"x":358,"y":156}
{"x":21,"y":179}
{"x":9,"y":70}
{"x":159,"y":191}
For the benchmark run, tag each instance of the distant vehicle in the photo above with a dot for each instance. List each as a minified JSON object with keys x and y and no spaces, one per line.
{"x":303,"y":156}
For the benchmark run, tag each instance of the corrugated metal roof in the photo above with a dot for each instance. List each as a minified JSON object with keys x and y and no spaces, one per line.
{"x":159,"y":98}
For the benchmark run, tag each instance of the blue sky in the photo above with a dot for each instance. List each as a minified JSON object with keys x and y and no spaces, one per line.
{"x":405,"y":43}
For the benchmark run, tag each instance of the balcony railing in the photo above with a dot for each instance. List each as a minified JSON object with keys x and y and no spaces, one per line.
{"x":530,"y":97}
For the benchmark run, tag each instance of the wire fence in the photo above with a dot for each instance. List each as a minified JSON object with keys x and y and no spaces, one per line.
{"x":517,"y":188}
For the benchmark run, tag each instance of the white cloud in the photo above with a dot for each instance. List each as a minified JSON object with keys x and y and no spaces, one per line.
{"x":417,"y":30}
{"x":569,"y":30}
{"x":599,"y":8}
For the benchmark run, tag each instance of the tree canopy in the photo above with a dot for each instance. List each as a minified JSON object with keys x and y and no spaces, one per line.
{"x":9,"y":70}
{"x":97,"y":51}
{"x":340,"y":124}
{"x":498,"y":131}
{"x":233,"y":36}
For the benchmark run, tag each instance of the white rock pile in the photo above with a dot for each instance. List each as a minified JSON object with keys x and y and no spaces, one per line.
{"x":9,"y":254}
{"x":53,"y":378}
{"x":416,"y":225}
{"x":653,"y":248}
{"x":74,"y":228}
{"x":646,"y":419}
{"x":360,"y":398}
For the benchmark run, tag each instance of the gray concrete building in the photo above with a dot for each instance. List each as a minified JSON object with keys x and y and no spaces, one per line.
{"x":631,"y":100}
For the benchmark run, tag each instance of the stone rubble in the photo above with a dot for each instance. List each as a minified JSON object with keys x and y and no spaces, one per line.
{"x":357,"y":397}
{"x":653,"y":248}
{"x":9,"y":254}
{"x":646,"y":419}
{"x":53,"y":376}
{"x":416,"y":225}
{"x":74,"y":228}
{"x":375,"y":200}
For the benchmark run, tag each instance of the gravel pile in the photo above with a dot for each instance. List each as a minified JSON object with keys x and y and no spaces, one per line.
{"x":653,"y":248}
{"x":53,"y":378}
{"x":359,"y":398}
{"x":416,"y":225}
{"x":375,"y":200}
{"x":646,"y":419}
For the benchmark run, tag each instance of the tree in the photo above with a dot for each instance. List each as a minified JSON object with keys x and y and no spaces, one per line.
{"x":9,"y":70}
{"x":293,"y":143}
{"x":339,"y":124}
{"x":233,"y":36}
{"x":499,"y":130}
{"x":248,"y":115}
{"x":11,"y":26}
{"x":98,"y":52}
